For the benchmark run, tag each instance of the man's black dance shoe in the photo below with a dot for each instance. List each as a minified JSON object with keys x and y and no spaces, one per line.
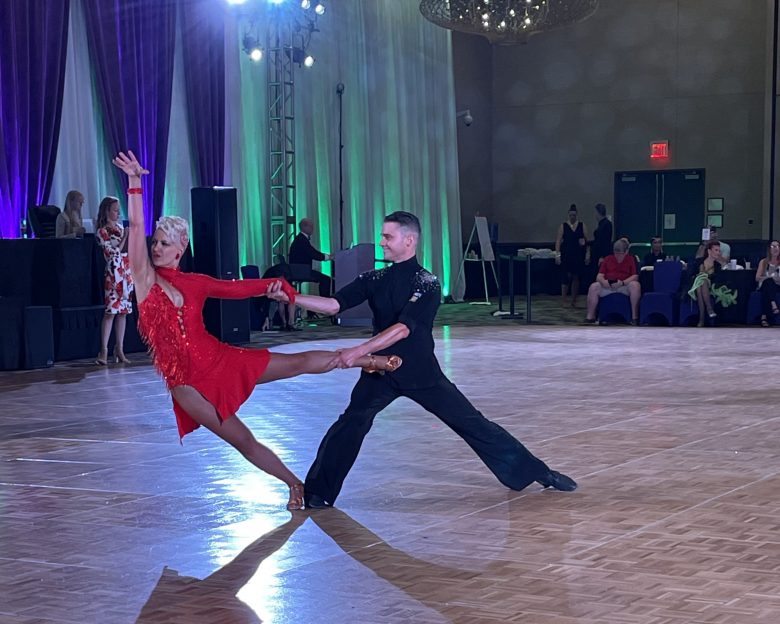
{"x":315,"y":501}
{"x":555,"y":479}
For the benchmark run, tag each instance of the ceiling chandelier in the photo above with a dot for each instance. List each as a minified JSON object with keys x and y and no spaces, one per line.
{"x":506,"y":21}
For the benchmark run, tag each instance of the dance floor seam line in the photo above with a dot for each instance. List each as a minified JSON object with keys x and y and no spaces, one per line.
{"x":54,"y":461}
{"x":75,"y":489}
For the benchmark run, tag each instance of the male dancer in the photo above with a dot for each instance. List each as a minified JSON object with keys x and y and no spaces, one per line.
{"x":404,"y":298}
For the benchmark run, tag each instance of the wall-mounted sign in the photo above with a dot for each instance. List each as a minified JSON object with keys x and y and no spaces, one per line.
{"x":659,"y":150}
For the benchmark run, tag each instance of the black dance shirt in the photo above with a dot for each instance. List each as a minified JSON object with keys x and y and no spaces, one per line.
{"x":651,"y":259}
{"x":402,"y":293}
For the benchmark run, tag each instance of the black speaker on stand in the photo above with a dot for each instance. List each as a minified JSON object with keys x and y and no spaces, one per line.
{"x":215,"y":242}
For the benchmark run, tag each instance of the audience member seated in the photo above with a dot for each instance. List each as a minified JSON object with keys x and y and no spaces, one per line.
{"x":702,"y":270}
{"x":69,"y":221}
{"x":303,"y":252}
{"x":623,"y":237}
{"x":725,"y":248}
{"x":656,"y":252}
{"x":768,"y":278}
{"x":617,"y":274}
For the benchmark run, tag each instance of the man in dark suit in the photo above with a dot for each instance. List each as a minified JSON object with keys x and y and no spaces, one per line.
{"x":404,"y":298}
{"x":303,"y":252}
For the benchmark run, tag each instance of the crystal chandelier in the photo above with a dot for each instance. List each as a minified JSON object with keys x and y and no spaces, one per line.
{"x":506,"y":21}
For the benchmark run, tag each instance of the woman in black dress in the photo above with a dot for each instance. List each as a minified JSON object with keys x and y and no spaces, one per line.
{"x":572,"y":254}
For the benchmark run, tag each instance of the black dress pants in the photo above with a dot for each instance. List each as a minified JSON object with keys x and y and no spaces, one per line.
{"x":768,"y":294}
{"x":506,"y":457}
{"x":324,"y":283}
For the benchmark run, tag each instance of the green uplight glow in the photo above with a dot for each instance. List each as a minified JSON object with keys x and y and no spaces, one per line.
{"x":252,"y":181}
{"x":396,"y":155}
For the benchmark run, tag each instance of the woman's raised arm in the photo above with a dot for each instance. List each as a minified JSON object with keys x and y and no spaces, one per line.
{"x":143,"y":271}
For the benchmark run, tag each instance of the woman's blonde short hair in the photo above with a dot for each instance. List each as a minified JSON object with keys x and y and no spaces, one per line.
{"x":176,"y":229}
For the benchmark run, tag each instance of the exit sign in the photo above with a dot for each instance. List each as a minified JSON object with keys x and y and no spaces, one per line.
{"x":659,"y":150}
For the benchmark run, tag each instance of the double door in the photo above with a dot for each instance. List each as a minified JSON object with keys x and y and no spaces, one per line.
{"x":666,"y":203}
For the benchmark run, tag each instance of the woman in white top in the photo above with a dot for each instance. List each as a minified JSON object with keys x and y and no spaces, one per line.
{"x":69,"y":223}
{"x":768,"y":278}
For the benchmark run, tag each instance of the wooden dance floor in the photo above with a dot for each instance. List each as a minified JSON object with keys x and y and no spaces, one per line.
{"x":672,"y":434}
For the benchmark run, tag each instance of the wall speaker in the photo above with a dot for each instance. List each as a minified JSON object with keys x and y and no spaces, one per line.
{"x":215,"y":231}
{"x":227,"y":319}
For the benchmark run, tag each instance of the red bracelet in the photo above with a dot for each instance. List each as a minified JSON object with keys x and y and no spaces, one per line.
{"x":135,"y":191}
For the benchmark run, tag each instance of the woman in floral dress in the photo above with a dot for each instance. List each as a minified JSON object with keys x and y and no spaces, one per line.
{"x":118,"y":281}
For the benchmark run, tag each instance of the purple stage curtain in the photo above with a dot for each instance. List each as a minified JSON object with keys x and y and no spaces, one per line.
{"x":203,"y":31}
{"x":33,"y":47}
{"x":131,"y":47}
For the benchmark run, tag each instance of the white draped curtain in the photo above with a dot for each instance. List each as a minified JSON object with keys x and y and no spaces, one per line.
{"x":82,"y":160}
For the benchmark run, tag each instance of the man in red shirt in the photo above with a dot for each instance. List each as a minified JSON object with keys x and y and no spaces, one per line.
{"x":617,"y":274}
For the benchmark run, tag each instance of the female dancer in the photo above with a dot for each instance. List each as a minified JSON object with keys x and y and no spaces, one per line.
{"x":209,"y":380}
{"x":703,"y":269}
{"x":768,"y":278}
{"x":118,"y":282}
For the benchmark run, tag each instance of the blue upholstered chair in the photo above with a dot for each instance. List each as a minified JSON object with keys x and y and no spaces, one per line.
{"x":614,"y":308}
{"x":754,"y":309}
{"x":660,"y":304}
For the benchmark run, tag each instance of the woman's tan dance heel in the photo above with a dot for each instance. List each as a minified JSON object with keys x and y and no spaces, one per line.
{"x":393,"y":363}
{"x":102,"y":358}
{"x":296,"y":497}
{"x":119,"y":356}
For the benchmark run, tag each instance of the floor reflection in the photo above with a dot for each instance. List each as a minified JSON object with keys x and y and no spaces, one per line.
{"x":458,"y":593}
{"x":214,"y":599}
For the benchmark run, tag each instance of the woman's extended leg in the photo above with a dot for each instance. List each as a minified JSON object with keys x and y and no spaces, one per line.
{"x":705,"y":295}
{"x":105,"y":334}
{"x":702,"y":306}
{"x":575,"y":289}
{"x":286,"y":365}
{"x":238,"y":435}
{"x":119,"y":338}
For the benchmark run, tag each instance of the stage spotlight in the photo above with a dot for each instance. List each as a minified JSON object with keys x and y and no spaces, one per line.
{"x":308,"y":61}
{"x":306,"y":4}
{"x":252,"y":48}
{"x":276,"y":1}
{"x":319,"y":9}
{"x":235,"y":1}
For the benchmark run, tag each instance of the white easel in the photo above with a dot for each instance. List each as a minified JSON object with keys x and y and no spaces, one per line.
{"x":481,"y":228}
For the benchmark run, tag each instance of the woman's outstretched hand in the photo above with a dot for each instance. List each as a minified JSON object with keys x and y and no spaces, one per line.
{"x":281,"y":291}
{"x":276,"y":293}
{"x":130,"y":165}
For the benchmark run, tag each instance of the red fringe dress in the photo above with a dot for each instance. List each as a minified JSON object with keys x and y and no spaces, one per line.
{"x":185,"y":354}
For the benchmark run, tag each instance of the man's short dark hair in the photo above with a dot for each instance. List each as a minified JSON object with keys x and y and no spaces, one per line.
{"x":406,"y":220}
